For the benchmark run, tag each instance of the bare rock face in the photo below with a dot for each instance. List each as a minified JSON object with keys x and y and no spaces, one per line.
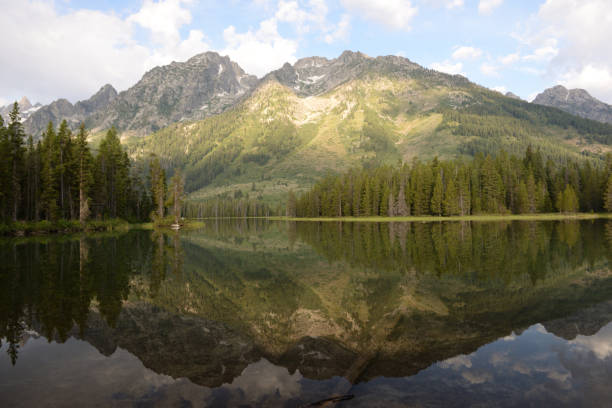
{"x":61,"y":109}
{"x":513,"y":96}
{"x":100,"y":100}
{"x":577,"y":102}
{"x":317,"y":75}
{"x":204,"y":85}
{"x":25,"y":109}
{"x":208,"y":84}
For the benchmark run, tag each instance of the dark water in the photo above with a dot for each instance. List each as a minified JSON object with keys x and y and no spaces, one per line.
{"x":285,"y":314}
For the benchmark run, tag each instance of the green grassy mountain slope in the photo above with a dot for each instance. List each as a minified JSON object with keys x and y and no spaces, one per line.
{"x":296,"y":126}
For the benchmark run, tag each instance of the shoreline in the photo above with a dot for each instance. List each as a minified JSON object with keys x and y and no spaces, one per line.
{"x":62,"y":227}
{"x":477,"y":218}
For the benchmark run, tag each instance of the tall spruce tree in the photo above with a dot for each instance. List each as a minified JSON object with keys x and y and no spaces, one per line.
{"x":16,"y":140}
{"x":5,"y":174}
{"x":111,"y":177}
{"x":50,"y":168}
{"x":608,"y":194}
{"x":33,"y":185}
{"x":437,"y":197}
{"x":177,"y":187}
{"x":84,"y":160}
{"x":451,"y":202}
{"x":158,"y":187}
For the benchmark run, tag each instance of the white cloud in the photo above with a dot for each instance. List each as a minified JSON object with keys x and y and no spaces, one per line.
{"x":489,"y":69}
{"x":464,"y":53}
{"x":448,"y":4}
{"x":588,"y":77}
{"x":487,"y":6}
{"x":341,"y":30}
{"x":303,"y":19}
{"x":163,"y":19}
{"x":532,"y":70}
{"x":501,"y":89}
{"x":509,"y":59}
{"x":448,"y":67}
{"x":396,"y":14}
{"x":261,"y":51}
{"x":73,"y":54}
{"x":573,"y":38}
{"x":545,"y":53}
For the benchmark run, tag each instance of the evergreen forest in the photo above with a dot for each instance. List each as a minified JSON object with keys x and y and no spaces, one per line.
{"x":61,"y":180}
{"x":500,"y":184}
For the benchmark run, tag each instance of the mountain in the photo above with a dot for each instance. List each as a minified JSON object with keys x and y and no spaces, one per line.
{"x":319,"y":115}
{"x":25,"y":106}
{"x":62,"y":109}
{"x":205,"y":85}
{"x":513,"y":96}
{"x":577,"y":102}
{"x":317,"y":75}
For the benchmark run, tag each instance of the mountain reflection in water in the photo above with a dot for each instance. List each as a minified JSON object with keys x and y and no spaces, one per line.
{"x":285,"y":314}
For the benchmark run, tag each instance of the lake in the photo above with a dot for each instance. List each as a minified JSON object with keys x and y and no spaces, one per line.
{"x":285,"y":314}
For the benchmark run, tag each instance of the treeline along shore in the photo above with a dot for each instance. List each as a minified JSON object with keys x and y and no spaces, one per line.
{"x":500,"y":184}
{"x":59,"y":184}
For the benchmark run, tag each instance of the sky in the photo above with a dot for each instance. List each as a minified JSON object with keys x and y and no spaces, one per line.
{"x":71,"y":48}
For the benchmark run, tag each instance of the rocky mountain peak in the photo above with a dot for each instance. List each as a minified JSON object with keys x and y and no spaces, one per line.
{"x":575,"y":101}
{"x":98,"y":101}
{"x":513,"y":96}
{"x":317,"y":75}
{"x":24,"y":104}
{"x":204,"y":85}
{"x":351,"y":56}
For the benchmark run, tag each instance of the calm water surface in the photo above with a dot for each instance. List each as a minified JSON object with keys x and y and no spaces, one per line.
{"x":293,"y":314}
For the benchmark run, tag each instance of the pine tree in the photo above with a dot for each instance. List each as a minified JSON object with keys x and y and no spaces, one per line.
{"x":63,"y":167}
{"x":177,"y":188}
{"x":16,"y":141}
{"x":451,"y":205}
{"x":158,"y":187}
{"x":568,"y":201}
{"x":32,"y":180}
{"x":291,"y":205}
{"x":366,"y":200}
{"x":50,"y":158}
{"x":84,"y":161}
{"x":401,"y":207}
{"x":356,"y":207}
{"x":522,"y":199}
{"x":112,"y":176}
{"x":384,"y":201}
{"x":437,"y":196}
{"x":464,"y":194}
{"x":390,"y":203}
{"x":531,"y":195}
{"x":492,"y":188}
{"x":608,"y":194}
{"x":5,"y":185}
